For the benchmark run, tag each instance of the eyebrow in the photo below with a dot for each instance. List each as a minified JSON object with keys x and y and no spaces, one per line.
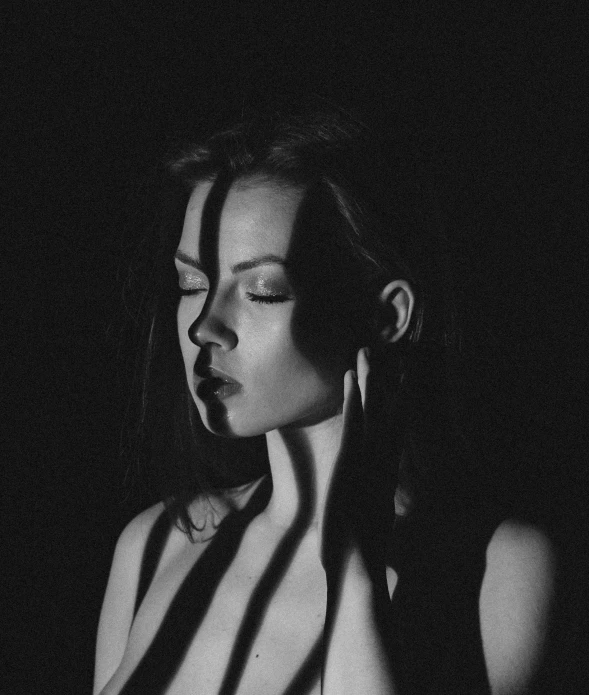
{"x":266,"y":259}
{"x":189,"y":260}
{"x":255,"y":262}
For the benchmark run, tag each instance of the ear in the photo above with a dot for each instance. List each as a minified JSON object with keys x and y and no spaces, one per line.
{"x":396,"y":303}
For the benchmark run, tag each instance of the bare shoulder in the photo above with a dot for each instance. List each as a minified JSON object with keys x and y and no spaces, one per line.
{"x":135,"y":533}
{"x":515,"y":604}
{"x":119,"y":600}
{"x":130,"y":547}
{"x":206,"y":513}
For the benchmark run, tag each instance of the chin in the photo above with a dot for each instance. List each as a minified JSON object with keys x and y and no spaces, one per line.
{"x":222,"y":423}
{"x":226,"y":419}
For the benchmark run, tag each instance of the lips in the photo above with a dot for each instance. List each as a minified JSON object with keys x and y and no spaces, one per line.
{"x":211,"y":383}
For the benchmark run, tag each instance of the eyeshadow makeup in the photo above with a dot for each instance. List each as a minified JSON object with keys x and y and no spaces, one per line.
{"x":191,"y":281}
{"x":268,"y":286}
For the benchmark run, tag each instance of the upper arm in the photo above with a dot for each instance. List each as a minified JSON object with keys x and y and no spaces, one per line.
{"x":119,"y":601}
{"x":515,"y":603}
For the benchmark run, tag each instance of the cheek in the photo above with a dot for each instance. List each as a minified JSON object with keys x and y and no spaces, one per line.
{"x":188,"y":348}
{"x":287,"y":374}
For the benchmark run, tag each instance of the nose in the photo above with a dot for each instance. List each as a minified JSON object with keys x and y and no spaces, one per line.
{"x":212,"y":328}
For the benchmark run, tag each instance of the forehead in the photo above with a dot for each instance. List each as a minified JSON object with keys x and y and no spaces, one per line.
{"x":254,"y":218}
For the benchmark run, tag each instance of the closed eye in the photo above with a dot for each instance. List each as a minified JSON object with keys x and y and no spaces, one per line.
{"x":191,"y":283}
{"x":185,"y":292}
{"x":268,"y":298}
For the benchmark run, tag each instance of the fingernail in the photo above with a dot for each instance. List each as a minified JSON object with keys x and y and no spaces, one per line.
{"x":367,"y":352}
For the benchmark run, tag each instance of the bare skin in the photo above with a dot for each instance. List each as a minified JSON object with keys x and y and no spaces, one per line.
{"x":295,"y":620}
{"x":514,"y":605}
{"x":290,"y":629}
{"x":305,"y":409}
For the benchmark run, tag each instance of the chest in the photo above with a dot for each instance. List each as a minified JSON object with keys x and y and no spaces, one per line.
{"x":255,"y":623}
{"x":258,"y":634}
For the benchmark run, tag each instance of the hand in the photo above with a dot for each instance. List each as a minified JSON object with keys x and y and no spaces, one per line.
{"x":359,"y":502}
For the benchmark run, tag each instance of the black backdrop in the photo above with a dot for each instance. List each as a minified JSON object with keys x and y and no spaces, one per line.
{"x":492,"y":102}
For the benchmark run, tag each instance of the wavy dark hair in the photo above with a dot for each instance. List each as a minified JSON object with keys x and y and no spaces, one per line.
{"x":363,"y":223}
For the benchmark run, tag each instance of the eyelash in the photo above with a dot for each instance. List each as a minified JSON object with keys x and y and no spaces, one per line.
{"x":188,"y":293}
{"x":258,"y":298}
{"x":268,"y":299}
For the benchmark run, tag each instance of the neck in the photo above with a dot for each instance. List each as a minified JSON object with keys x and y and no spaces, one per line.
{"x":301,"y":459}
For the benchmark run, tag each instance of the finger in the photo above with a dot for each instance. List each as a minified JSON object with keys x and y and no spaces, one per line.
{"x":351,"y":436}
{"x":353,"y":414}
{"x":363,"y":367}
{"x":350,"y":388}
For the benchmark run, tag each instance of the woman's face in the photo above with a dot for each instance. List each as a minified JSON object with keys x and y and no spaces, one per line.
{"x":255,"y":341}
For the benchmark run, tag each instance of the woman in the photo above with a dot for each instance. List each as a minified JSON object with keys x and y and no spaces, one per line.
{"x":274,"y":574}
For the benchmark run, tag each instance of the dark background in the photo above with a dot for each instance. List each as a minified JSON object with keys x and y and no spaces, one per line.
{"x":491,"y":102}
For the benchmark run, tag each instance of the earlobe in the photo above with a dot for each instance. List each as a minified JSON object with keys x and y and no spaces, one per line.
{"x":398,"y":300}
